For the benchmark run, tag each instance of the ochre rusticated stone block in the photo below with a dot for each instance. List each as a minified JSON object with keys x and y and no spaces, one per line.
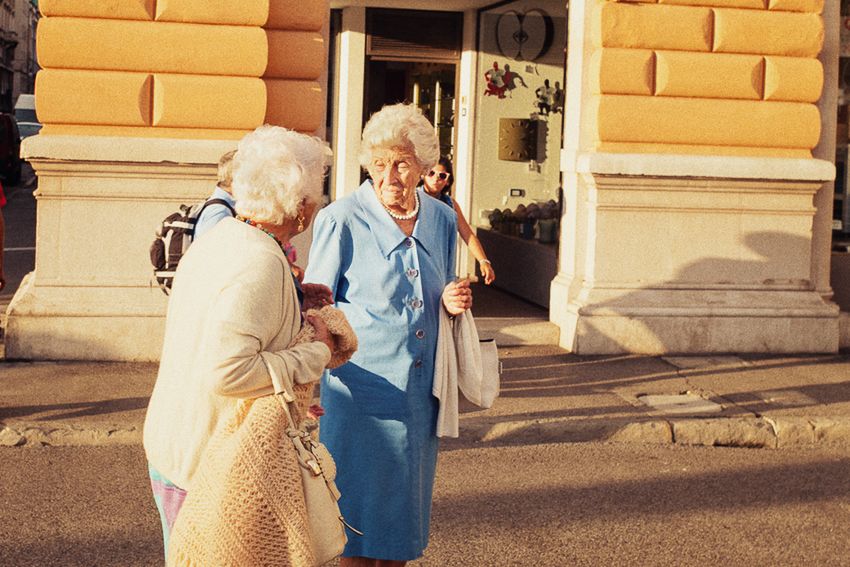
{"x":123,"y":45}
{"x":626,"y":71}
{"x":704,"y":150}
{"x":649,"y":26}
{"x":115,"y":9}
{"x":220,"y":12}
{"x":792,"y":79}
{"x":304,"y":15}
{"x":93,"y":97}
{"x":709,"y":75}
{"x":768,"y":33}
{"x":811,"y":6}
{"x":298,"y":105}
{"x":193,"y":101}
{"x":141,"y":132}
{"x":708,"y":121}
{"x":295,"y":55}
{"x":750,"y":4}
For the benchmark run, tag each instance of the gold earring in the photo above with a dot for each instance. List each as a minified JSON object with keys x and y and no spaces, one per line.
{"x":300,"y":223}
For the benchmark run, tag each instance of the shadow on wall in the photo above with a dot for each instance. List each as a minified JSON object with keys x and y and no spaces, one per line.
{"x":769,"y":273}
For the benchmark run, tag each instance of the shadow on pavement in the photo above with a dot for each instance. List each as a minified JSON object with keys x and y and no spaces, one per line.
{"x":51,"y":412}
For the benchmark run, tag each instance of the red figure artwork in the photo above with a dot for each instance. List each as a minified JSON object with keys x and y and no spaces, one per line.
{"x":496,"y":81}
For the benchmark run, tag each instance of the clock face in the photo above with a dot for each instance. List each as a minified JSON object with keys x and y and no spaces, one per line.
{"x":517,"y":139}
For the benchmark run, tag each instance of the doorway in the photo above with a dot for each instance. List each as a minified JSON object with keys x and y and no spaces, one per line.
{"x":428,"y":85}
{"x":413,"y":56}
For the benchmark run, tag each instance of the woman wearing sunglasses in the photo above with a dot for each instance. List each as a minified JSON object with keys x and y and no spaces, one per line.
{"x":438,"y":184}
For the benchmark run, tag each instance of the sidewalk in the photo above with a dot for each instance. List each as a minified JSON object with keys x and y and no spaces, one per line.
{"x":548,"y":395}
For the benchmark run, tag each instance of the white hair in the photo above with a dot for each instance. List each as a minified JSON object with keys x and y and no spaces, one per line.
{"x":400,"y":126}
{"x":275,"y":169}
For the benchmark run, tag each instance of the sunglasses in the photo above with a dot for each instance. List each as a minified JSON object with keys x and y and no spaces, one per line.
{"x":442,"y":176}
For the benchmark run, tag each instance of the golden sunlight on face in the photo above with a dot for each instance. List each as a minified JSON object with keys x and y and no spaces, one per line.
{"x":395,"y":174}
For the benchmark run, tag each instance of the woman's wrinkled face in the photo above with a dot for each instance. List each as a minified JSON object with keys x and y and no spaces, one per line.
{"x":395,"y":172}
{"x":436,"y":180}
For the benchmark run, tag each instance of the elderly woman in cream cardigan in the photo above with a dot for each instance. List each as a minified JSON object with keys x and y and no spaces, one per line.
{"x":234,"y":310}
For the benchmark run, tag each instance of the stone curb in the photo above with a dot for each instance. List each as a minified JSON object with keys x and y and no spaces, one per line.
{"x":748,"y":432}
{"x":32,"y":434}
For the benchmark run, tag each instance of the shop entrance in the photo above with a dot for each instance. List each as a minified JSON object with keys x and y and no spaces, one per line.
{"x":413,"y":56}
{"x":427,"y":84}
{"x":516,"y":191}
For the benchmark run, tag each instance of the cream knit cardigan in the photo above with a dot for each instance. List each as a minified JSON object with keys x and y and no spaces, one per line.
{"x":232,"y":313}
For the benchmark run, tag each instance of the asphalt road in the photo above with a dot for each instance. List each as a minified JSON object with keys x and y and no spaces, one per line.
{"x":550,"y":505}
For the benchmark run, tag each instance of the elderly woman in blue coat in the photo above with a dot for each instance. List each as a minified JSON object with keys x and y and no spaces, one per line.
{"x":387,"y":252}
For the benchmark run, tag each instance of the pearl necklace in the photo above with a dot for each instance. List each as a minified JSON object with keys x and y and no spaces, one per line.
{"x":411,"y":215}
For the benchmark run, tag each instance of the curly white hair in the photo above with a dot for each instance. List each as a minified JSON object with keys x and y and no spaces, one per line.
{"x":400,"y":126}
{"x":275,"y":169}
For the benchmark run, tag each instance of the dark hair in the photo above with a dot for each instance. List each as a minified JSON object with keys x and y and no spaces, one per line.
{"x":447,"y":165}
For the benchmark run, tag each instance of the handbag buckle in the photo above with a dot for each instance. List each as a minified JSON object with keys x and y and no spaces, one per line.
{"x":314,"y":466}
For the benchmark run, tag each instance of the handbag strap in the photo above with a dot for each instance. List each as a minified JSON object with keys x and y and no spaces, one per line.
{"x":281,"y":397}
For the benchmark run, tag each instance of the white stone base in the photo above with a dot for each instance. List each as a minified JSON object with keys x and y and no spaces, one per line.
{"x":85,"y":323}
{"x":795,"y":322}
{"x":672,"y":254}
{"x":99,"y":202}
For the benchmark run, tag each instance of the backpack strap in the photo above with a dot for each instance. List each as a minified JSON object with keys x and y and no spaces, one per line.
{"x":209,"y":202}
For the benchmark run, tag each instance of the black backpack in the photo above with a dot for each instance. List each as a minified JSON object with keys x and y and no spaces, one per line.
{"x":173,"y":239}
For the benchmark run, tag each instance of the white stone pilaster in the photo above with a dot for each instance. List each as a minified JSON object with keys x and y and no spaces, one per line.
{"x":693,"y":254}
{"x":99,"y":202}
{"x":348,"y":110}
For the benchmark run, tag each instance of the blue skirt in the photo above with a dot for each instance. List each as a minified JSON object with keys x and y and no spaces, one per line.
{"x":384,"y":444}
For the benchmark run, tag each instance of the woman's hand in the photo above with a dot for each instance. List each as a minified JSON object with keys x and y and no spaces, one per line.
{"x":487,"y":271}
{"x":322,"y":333}
{"x":457,"y":297}
{"x":316,"y":296}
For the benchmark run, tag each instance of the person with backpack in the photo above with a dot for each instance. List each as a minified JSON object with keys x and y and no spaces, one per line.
{"x":232,"y":315}
{"x":220,"y":204}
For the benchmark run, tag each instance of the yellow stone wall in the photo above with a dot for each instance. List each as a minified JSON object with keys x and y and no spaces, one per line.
{"x":296,"y":59}
{"x":718,"y":77}
{"x":180,"y":68}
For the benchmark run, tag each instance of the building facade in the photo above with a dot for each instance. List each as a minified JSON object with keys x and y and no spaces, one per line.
{"x":687,"y":147}
{"x":18,"y":20}
{"x":687,"y":144}
{"x":8,"y":43}
{"x":139,"y":99}
{"x":25,"y":64}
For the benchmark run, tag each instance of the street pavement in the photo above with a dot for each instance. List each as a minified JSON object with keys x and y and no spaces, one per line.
{"x":549,"y":505}
{"x":568,"y":468}
{"x":548,"y":395}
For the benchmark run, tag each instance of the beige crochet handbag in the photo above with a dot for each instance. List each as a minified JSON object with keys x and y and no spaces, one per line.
{"x":264,"y":494}
{"x":264,"y":491}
